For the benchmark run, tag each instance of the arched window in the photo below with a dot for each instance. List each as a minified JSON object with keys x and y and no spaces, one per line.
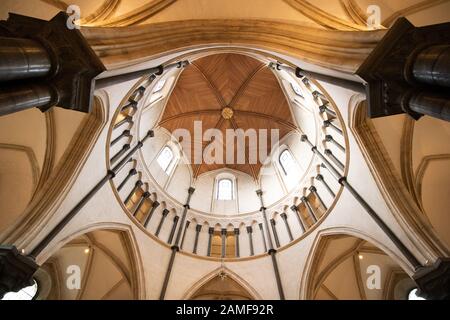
{"x":166,"y":159}
{"x":412,"y":295}
{"x":225,"y":189}
{"x":27,"y":293}
{"x":286,"y":162}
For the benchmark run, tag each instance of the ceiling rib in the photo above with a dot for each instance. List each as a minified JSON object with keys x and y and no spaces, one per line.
{"x":216,"y":91}
{"x":244,"y":86}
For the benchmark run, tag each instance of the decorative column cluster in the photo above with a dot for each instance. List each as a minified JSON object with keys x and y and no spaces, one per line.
{"x":45,"y":64}
{"x":175,"y":248}
{"x":271,"y":251}
{"x":409,"y":72}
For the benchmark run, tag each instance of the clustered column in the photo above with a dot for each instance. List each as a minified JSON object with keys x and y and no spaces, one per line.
{"x":271,"y":251}
{"x":175,"y":248}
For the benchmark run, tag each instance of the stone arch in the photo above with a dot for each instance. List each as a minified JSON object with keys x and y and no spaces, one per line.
{"x":316,"y":271}
{"x":400,"y":202}
{"x":45,"y":202}
{"x":124,"y":256}
{"x":248,"y":292}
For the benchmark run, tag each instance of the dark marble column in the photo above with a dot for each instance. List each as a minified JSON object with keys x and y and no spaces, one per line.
{"x":275,"y":233}
{"x":131,"y":173}
{"x":236,"y":242}
{"x":294,"y":208}
{"x":14,"y":280}
{"x":316,"y":194}
{"x":139,"y":205}
{"x":272,"y":252}
{"x":198,"y":228}
{"x":308,"y":206}
{"x":186,"y":226}
{"x":250,"y":240}
{"x":329,"y":138}
{"x":176,"y":245}
{"x":164,"y":214}
{"x":343,"y":181}
{"x":210,"y":235}
{"x":263,"y":236}
{"x":172,"y":231}
{"x":320,"y":178}
{"x":288,"y":228}
{"x":330,"y":124}
{"x":137,"y":185}
{"x":149,"y":216}
{"x":301,"y":73}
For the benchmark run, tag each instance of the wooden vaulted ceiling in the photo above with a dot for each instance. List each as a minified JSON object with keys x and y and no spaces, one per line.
{"x":239,"y":82}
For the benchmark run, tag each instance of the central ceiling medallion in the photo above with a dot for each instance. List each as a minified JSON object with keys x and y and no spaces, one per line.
{"x":227,"y":113}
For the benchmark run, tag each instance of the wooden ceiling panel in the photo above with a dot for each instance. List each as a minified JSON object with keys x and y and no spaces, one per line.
{"x":228,"y":72}
{"x":228,"y":80}
{"x":264,"y":95}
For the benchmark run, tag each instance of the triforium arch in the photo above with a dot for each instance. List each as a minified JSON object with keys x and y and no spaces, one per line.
{"x":93,"y":252}
{"x":342,"y":255}
{"x":219,"y":280}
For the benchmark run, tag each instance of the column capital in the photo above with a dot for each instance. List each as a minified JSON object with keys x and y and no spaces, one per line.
{"x":198,"y":228}
{"x":391,"y":69}
{"x":211,"y":230}
{"x":74,"y":64}
{"x":223,"y":232}
{"x":313,"y":189}
{"x":294,"y":208}
{"x":236,"y":231}
{"x":249,"y":229}
{"x":165,"y":212}
{"x":284,"y":216}
{"x":155,"y":204}
{"x":146,"y":195}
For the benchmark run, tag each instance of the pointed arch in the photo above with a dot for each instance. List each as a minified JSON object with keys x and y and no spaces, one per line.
{"x":134,"y":276}
{"x":315,"y":272}
{"x":250,"y":291}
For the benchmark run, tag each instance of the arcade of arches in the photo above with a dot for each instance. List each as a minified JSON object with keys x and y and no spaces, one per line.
{"x":224,"y":150}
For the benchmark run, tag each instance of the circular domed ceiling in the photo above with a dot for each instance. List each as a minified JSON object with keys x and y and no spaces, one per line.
{"x":228,"y":91}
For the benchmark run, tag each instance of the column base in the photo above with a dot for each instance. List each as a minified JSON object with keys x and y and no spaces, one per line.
{"x":434,"y":281}
{"x":16,"y":270}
